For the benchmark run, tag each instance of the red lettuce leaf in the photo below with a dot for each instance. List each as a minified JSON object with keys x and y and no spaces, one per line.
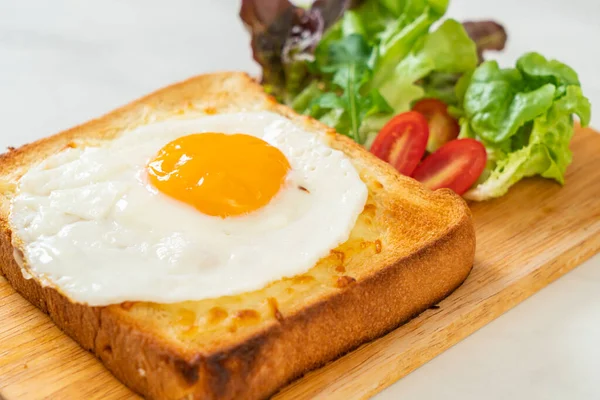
{"x":284,"y":36}
{"x":487,"y":35}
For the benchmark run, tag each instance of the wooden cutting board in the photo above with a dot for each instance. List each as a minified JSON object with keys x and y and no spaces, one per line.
{"x":525,"y":240}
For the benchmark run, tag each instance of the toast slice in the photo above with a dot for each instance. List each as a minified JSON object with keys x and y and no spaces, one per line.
{"x":409,"y":249}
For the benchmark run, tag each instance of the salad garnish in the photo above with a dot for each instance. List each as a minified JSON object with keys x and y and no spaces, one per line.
{"x":414,"y":88}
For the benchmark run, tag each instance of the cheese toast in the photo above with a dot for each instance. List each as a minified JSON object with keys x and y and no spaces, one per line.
{"x":409,"y":249}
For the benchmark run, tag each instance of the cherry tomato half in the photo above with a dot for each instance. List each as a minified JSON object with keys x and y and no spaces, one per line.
{"x":402,"y":141}
{"x":442,"y":127}
{"x":456,"y":165}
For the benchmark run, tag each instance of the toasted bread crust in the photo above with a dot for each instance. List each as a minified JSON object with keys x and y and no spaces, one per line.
{"x":256,"y":363}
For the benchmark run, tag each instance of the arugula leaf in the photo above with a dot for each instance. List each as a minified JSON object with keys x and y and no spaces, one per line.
{"x":352,"y":49}
{"x":347,"y":68}
{"x":304,"y":98}
{"x":351,"y":80}
{"x":321,"y":104}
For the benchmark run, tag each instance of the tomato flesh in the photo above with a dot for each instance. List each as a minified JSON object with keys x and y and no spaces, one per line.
{"x":402,"y":141}
{"x":456,"y":165}
{"x":442,"y":127}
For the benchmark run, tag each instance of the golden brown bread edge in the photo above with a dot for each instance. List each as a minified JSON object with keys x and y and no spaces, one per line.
{"x":259,"y":365}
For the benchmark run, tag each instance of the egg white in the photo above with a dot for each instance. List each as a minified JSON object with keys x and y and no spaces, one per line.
{"x":90,"y":224}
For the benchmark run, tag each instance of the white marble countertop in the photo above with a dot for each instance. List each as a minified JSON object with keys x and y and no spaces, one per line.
{"x":63,"y":62}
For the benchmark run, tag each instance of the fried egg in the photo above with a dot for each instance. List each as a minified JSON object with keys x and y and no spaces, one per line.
{"x":185,"y":209}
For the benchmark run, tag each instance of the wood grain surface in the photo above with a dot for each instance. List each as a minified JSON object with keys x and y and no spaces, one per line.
{"x":525,"y":240}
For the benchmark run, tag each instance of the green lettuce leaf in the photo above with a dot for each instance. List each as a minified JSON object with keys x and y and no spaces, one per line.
{"x":413,"y":20}
{"x":448,"y":50}
{"x":498,"y":102}
{"x":538,"y":71}
{"x":524,"y":117}
{"x":442,"y":86}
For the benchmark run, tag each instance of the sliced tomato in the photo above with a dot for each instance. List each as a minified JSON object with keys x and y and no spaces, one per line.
{"x":402,"y":141}
{"x":456,"y":165}
{"x":442,"y":127}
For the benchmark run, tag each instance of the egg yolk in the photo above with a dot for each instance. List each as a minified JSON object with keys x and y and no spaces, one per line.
{"x":218,"y":174}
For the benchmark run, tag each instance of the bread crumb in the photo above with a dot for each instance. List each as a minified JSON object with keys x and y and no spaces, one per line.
{"x":142,"y":372}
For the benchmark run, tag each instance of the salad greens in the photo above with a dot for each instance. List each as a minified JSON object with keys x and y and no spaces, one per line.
{"x":487,"y":35}
{"x":355,"y":64}
{"x":341,"y":98}
{"x":447,"y":50}
{"x":523,"y":116}
{"x":353,"y":68}
{"x":378,"y":51}
{"x":284,"y":37}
